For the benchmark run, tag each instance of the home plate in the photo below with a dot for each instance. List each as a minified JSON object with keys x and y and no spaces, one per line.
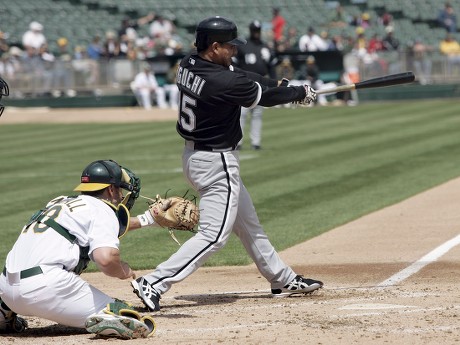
{"x":373,"y":306}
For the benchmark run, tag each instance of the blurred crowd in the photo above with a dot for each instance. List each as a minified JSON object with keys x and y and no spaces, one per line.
{"x":55,"y":71}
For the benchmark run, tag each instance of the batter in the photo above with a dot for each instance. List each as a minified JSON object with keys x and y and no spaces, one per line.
{"x":212,"y":93}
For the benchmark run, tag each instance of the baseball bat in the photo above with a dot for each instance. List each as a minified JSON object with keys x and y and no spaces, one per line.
{"x":387,"y":80}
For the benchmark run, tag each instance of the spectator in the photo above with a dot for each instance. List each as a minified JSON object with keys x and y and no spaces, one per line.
{"x":450,"y":47}
{"x":337,"y":43}
{"x":447,"y":18}
{"x":389,"y":42}
{"x":34,"y":37}
{"x":386,"y":19}
{"x":12,"y":70}
{"x":4,"y":46}
{"x":145,"y":87}
{"x":365,"y":20}
{"x":278,"y":24}
{"x":95,"y":50}
{"x":355,"y":20}
{"x":422,"y":61}
{"x":309,"y":74}
{"x":340,"y":18}
{"x":285,"y":70}
{"x":111,"y":46}
{"x":292,"y":39}
{"x":47,"y":65}
{"x":32,"y":68}
{"x":329,"y":42}
{"x":7,"y":67}
{"x":370,"y":63}
{"x":361,"y":40}
{"x":161,"y":29}
{"x":375,"y":44}
{"x":311,"y":42}
{"x":63,"y":71}
{"x":129,"y":25}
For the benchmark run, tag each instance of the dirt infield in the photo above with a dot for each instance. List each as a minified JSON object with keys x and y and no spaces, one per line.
{"x":391,"y":277}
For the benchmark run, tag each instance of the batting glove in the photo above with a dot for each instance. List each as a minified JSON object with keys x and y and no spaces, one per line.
{"x":310,"y":95}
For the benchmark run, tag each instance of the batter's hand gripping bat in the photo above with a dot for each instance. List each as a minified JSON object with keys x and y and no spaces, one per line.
{"x":388,"y":80}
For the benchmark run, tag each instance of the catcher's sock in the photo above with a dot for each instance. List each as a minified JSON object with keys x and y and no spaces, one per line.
{"x":148,"y":295}
{"x":298,"y":285}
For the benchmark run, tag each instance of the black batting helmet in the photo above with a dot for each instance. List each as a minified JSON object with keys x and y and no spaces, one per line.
{"x":216,"y":29}
{"x":4,"y":91}
{"x":255,"y":25}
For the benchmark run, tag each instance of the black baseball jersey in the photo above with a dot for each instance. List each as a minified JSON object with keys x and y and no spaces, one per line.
{"x":211,"y":97}
{"x":256,"y":56}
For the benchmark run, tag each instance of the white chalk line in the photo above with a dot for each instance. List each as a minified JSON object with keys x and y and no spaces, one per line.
{"x":429,"y":258}
{"x":393,"y":280}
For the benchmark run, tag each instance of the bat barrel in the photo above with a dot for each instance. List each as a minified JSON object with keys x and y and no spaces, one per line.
{"x":388,"y":80}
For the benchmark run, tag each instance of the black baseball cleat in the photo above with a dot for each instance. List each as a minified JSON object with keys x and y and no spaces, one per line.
{"x":298,"y":285}
{"x":256,"y":147}
{"x":148,"y":295}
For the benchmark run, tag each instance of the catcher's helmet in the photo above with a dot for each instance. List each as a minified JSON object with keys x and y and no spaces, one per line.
{"x":216,"y":29}
{"x":101,"y":174}
{"x":4,"y":91}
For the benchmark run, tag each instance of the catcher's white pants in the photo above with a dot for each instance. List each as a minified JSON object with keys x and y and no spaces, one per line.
{"x":56,"y":295}
{"x":225,"y":206}
{"x":255,"y":133}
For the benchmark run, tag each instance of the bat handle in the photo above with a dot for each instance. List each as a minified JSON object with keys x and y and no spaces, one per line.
{"x":340,"y":88}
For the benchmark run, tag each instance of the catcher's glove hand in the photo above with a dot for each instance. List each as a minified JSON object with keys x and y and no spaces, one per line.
{"x":175,"y":213}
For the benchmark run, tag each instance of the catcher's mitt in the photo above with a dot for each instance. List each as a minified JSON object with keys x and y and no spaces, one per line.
{"x":175,"y":213}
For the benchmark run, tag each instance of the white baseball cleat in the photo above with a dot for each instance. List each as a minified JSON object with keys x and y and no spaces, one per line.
{"x":299,"y":285}
{"x":148,"y":295}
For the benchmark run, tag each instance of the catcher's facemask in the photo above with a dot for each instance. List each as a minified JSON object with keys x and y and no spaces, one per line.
{"x":132,"y":183}
{"x":4,"y":91}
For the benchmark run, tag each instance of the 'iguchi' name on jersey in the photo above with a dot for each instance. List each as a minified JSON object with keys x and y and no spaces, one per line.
{"x":189,"y":80}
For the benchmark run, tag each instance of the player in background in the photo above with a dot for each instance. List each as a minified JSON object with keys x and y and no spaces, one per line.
{"x":212,"y":93}
{"x":255,"y":56}
{"x":41,"y":276}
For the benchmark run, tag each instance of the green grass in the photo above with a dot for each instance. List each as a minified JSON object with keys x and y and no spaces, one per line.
{"x":319,"y":168}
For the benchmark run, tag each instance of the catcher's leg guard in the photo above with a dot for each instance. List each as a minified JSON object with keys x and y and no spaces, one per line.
{"x":10,"y":322}
{"x":120,"y":320}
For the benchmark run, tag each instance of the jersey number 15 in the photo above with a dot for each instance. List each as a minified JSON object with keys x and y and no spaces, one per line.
{"x":187,"y":118}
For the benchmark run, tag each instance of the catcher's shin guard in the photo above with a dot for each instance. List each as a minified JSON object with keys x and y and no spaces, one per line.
{"x":10,"y":322}
{"x":120,"y":320}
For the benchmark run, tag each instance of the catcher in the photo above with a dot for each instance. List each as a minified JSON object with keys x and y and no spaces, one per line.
{"x":41,"y":276}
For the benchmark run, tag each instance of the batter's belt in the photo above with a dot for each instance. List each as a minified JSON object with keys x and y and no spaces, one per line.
{"x":202,"y":147}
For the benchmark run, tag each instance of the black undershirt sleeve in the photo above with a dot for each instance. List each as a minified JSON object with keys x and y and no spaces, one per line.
{"x":258,"y":78}
{"x":272,"y":94}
